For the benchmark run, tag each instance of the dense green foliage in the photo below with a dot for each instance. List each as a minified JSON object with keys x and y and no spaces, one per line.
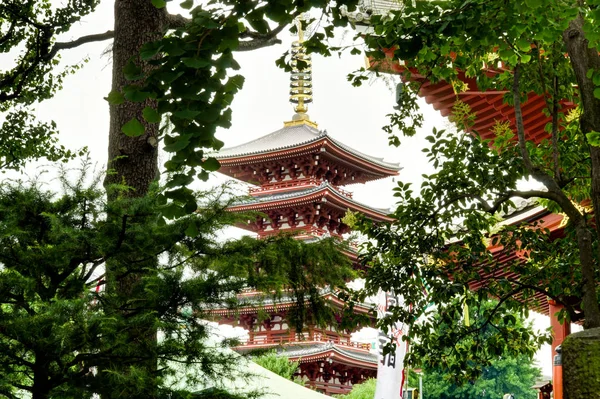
{"x":502,"y":374}
{"x":56,"y":328}
{"x":366,"y":390}
{"x":440,"y":240}
{"x":191,"y":76}
{"x":184,"y":77}
{"x":511,"y":375}
{"x":27,"y":29}
{"x":505,"y":375}
{"x":278,"y":364}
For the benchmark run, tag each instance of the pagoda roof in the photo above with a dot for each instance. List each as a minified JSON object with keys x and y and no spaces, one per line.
{"x":329,"y":350}
{"x":308,"y":195}
{"x":295,"y":138}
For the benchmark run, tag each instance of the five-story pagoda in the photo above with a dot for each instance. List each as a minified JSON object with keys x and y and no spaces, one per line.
{"x":296,"y":175}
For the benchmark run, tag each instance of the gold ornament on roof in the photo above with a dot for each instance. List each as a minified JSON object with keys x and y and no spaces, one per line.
{"x":301,"y":92}
{"x":582,"y":209}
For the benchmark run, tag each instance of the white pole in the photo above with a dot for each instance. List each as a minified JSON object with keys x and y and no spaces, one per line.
{"x":421,"y":385}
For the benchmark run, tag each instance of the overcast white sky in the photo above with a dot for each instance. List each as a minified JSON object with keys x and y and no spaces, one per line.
{"x":352,"y":115}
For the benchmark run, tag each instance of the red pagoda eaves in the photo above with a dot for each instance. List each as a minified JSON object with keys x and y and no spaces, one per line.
{"x":309,"y":209}
{"x":299,"y":170}
{"x":299,"y":151}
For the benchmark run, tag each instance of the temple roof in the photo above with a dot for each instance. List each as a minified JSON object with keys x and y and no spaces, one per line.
{"x":297,"y":197}
{"x":291,"y":137}
{"x":310,"y":353}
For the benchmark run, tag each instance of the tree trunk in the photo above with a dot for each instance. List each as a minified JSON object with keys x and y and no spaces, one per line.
{"x":132,"y":160}
{"x":581,"y":351}
{"x":581,"y":365}
{"x":583,"y":59}
{"x":40,"y":388}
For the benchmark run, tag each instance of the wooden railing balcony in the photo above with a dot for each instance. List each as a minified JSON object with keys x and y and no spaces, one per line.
{"x":283,"y":186}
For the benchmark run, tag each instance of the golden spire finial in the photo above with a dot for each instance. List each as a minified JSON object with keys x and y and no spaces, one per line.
{"x":301,"y":78}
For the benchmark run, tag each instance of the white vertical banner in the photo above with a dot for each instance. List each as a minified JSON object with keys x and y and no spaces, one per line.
{"x":390,"y":368}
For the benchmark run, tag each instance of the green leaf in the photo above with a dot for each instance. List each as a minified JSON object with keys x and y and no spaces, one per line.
{"x":203,"y":175}
{"x":151,"y":115}
{"x":149,"y":50}
{"x":533,"y":3}
{"x":259,"y":24}
{"x":596,"y":79}
{"x":115,"y":98}
{"x":211,"y":164}
{"x":132,"y":71}
{"x":179,"y":179}
{"x":159,"y":3}
{"x":134,"y":94}
{"x":133,"y":128}
{"x":186,"y":113}
{"x":593,"y":138}
{"x":523,"y":45}
{"x":173,"y":211}
{"x":589,"y":73}
{"x":178,"y":144}
{"x":187,"y":4}
{"x":525,"y":58}
{"x":195,"y":62}
{"x":597,"y":92}
{"x":234,"y":83}
{"x":192,"y":230}
{"x":210,"y":114}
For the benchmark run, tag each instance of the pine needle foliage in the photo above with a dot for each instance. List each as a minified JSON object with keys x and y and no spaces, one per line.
{"x":59,"y":329}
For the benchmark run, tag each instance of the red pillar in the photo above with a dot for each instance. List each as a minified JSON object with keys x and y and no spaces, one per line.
{"x":559,"y":333}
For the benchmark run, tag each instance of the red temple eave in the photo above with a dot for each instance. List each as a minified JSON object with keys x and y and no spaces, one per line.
{"x":543,"y":220}
{"x":324,"y":195}
{"x":322,"y":146}
{"x":488,"y":106}
{"x":335,"y":356}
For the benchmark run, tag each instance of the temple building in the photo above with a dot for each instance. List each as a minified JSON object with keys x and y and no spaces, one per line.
{"x":297,"y":175}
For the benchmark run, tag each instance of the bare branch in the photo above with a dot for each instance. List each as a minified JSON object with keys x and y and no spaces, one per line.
{"x":257,"y":43}
{"x":98,"y":37}
{"x":268,"y":35}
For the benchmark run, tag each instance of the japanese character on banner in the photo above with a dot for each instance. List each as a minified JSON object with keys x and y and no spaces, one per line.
{"x":390,"y":370}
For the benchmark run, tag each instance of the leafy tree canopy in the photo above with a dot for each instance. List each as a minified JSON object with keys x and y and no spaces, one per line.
{"x":188,"y":74}
{"x":505,"y":375}
{"x":440,"y":244}
{"x":500,"y":375}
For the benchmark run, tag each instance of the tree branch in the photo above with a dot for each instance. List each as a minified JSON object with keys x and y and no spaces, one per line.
{"x":175,"y":21}
{"x":554,"y":191}
{"x":268,"y":35}
{"x":98,"y":37}
{"x":519,"y":120}
{"x":257,"y":43}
